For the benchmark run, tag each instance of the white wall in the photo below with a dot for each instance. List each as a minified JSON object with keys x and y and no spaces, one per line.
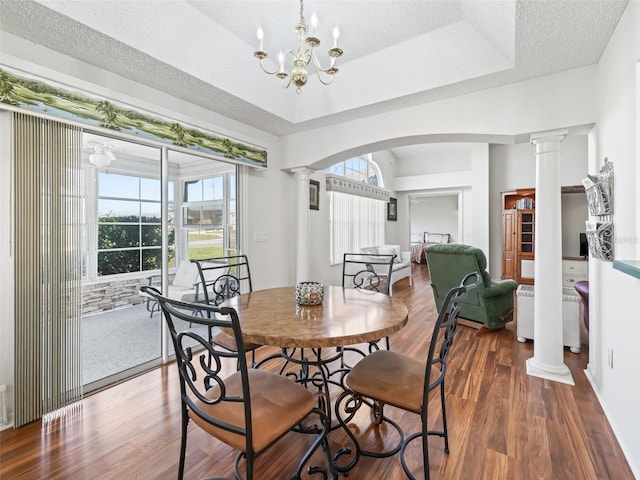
{"x":495,"y":115}
{"x":435,"y":214}
{"x":319,"y":238}
{"x":432,"y":158}
{"x":394,"y":230}
{"x":270,"y":209}
{"x":480,"y":187}
{"x":6,"y":266}
{"x":613,"y":317}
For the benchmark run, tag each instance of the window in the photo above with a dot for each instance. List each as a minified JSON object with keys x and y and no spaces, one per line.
{"x":129,"y":224}
{"x":356,"y":217}
{"x":207,"y":210}
{"x":358,"y":169}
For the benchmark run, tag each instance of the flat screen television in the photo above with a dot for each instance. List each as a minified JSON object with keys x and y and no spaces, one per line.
{"x":584,"y":247}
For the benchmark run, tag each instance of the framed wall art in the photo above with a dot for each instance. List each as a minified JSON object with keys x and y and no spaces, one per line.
{"x":314,"y":195}
{"x":392,"y":209}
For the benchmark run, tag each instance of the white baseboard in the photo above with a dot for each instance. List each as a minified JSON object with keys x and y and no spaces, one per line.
{"x":6,"y":426}
{"x":616,"y":431}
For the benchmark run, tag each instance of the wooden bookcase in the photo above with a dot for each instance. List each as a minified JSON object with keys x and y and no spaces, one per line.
{"x":518,"y":228}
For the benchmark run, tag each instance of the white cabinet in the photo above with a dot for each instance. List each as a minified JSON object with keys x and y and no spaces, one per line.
{"x":570,"y":316}
{"x":574,"y":270}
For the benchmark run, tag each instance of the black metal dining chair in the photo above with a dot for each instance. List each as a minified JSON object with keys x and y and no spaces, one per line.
{"x":388,"y":378}
{"x":222,"y":278}
{"x":246,"y":408}
{"x":368,"y":272}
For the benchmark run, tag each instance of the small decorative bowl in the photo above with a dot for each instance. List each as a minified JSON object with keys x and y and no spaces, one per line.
{"x":309,"y":293}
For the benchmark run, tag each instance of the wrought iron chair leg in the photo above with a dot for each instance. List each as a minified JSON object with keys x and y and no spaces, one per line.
{"x":152,"y":307}
{"x":444,"y":419}
{"x":183,"y":444}
{"x":425,"y":449}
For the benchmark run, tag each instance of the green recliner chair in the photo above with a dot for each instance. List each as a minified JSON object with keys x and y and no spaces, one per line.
{"x":490,"y":303}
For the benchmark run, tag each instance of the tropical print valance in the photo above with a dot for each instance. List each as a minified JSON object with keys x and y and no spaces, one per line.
{"x":36,"y":95}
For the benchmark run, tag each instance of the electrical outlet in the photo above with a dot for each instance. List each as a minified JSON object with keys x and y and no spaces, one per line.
{"x":261,"y":237}
{"x":610,"y":358}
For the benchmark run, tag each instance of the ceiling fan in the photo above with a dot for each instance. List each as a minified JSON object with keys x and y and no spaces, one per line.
{"x":102,"y":155}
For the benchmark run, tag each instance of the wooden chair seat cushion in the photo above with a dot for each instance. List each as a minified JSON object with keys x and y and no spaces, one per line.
{"x":391,"y":378}
{"x":277,"y":404}
{"x":227,"y":341}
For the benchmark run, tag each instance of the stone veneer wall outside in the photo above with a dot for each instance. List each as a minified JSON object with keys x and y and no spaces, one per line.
{"x":98,"y":297}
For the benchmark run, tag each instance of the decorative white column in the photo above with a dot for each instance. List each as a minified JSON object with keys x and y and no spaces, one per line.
{"x":548,"y":350}
{"x":302,"y":227}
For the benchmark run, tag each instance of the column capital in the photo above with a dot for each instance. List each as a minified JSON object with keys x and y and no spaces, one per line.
{"x":302,"y":173}
{"x":549,"y":136}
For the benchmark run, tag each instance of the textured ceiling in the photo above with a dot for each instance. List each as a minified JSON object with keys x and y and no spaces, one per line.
{"x":397,"y":52}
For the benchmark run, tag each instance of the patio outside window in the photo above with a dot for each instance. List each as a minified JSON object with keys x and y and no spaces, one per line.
{"x":209,"y":206}
{"x":129,"y":224}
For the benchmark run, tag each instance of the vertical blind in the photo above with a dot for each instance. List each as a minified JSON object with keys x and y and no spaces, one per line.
{"x":355,"y":222}
{"x":48,"y":266}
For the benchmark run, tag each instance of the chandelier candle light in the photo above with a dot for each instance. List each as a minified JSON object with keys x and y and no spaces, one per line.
{"x":302,"y":57}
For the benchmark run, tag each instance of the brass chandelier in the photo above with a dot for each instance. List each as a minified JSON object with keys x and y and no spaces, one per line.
{"x":304,"y":55}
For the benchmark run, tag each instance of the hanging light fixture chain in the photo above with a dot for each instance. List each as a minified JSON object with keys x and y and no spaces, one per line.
{"x":301,"y":13}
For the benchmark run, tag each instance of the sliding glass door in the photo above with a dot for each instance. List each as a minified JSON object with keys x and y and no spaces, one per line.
{"x":123,"y":248}
{"x":124,"y":244}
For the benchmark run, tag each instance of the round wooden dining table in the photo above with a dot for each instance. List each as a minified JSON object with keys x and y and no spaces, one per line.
{"x":347,"y":316}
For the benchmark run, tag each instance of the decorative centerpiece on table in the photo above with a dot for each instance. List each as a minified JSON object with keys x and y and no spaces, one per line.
{"x":309,"y":293}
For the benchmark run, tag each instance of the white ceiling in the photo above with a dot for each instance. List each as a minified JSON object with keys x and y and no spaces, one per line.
{"x":396,"y":52}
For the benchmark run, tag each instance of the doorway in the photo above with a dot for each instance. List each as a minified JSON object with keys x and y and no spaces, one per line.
{"x":435,"y":213}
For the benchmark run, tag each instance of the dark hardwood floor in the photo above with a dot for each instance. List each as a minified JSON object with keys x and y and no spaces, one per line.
{"x":503,"y":424}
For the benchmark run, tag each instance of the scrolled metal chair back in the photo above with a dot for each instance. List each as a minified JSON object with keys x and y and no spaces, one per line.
{"x":224,"y":277}
{"x":444,"y":329}
{"x":367,"y":271}
{"x":224,"y":287}
{"x":202,"y":366}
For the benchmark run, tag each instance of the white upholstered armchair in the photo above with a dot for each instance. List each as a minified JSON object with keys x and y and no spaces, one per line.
{"x":402,"y":262}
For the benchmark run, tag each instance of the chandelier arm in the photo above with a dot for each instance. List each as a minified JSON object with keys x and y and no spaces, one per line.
{"x":327,"y":81}
{"x":316,"y":64}
{"x":286,"y":81}
{"x":277,"y":70}
{"x":309,"y":55}
{"x":269,"y":72}
{"x":323,"y":76}
{"x":318,"y":67}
